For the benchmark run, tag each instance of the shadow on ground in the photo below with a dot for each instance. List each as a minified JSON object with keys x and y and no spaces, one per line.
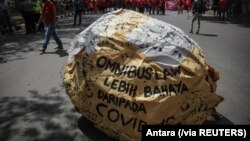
{"x":209,"y":35}
{"x":14,"y":47}
{"x":219,"y":120}
{"x":88,"y":128}
{"x":41,"y":117}
{"x":51,"y":116}
{"x":241,"y":21}
{"x":60,"y":53}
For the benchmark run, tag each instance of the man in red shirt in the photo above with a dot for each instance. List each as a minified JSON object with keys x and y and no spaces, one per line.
{"x":48,"y":16}
{"x":223,"y":8}
{"x":180,"y":8}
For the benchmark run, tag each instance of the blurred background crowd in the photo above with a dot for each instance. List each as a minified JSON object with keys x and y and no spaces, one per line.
{"x":13,"y":12}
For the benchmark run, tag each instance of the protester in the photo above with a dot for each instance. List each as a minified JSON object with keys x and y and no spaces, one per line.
{"x":188,"y":6}
{"x":237,"y":8}
{"x":37,"y":13}
{"x":198,"y":9}
{"x":162,"y":6}
{"x":180,"y":6}
{"x":4,"y":16}
{"x":49,"y":18}
{"x":229,"y":8}
{"x":223,"y":8}
{"x":78,"y":4}
{"x":141,"y":5}
{"x":216,"y":7}
{"x":27,"y":11}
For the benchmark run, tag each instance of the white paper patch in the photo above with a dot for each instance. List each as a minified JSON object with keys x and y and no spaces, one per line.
{"x":164,"y":43}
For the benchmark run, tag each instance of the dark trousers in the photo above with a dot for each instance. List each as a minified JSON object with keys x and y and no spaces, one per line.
{"x":29,"y":21}
{"x":41,"y":25}
{"x":78,"y":13}
{"x":5,"y":19}
{"x":141,"y":9}
{"x":163,"y":10}
{"x":222,"y":14}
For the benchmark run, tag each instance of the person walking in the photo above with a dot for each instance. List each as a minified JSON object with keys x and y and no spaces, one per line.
{"x":49,"y":18}
{"x":198,"y":9}
{"x":78,"y":4}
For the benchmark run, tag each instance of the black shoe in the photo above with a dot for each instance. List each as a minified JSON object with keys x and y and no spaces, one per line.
{"x":197,"y":32}
{"x":73,"y":24}
{"x":191,"y":32}
{"x":79,"y":23}
{"x":42,"y":50}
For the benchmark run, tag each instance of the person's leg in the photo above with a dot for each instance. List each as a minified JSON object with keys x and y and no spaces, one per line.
{"x":26,"y":23}
{"x":47,"y":36}
{"x":32,"y":22}
{"x":219,"y":11}
{"x":178,"y":9}
{"x":75,"y":15}
{"x":80,"y":17}
{"x":29,"y":22}
{"x":223,"y":14}
{"x":181,"y":7}
{"x":9,"y":23}
{"x":163,"y":10}
{"x":57,"y":39}
{"x":198,"y":23}
{"x":192,"y":22}
{"x":214,"y":12}
{"x":187,"y":11}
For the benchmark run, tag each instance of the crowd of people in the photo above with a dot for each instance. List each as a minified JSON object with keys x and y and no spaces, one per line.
{"x":152,"y":6}
{"x":31,"y":9}
{"x":222,"y":7}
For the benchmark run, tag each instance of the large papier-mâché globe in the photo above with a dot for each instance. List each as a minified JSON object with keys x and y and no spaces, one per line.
{"x":127,"y":70}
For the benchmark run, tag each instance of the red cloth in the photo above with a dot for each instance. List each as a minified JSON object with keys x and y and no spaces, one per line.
{"x":149,"y":3}
{"x":188,"y":2}
{"x":162,"y":3}
{"x":48,"y":10}
{"x":171,"y":5}
{"x":179,"y":2}
{"x":223,"y":4}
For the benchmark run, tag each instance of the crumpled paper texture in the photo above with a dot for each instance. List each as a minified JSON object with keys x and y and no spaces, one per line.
{"x":127,"y":70}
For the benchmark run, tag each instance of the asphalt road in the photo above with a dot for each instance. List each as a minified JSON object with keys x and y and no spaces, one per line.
{"x":33,"y":102}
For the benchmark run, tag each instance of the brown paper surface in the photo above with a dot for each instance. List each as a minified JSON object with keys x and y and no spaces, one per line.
{"x":119,"y":88}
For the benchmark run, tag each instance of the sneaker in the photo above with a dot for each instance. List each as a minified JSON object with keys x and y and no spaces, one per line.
{"x":191,"y":32}
{"x":42,"y":50}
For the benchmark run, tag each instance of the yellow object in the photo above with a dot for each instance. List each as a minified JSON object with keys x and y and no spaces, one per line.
{"x":127,"y":70}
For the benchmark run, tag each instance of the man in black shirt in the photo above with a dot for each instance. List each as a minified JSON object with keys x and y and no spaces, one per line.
{"x":198,"y":9}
